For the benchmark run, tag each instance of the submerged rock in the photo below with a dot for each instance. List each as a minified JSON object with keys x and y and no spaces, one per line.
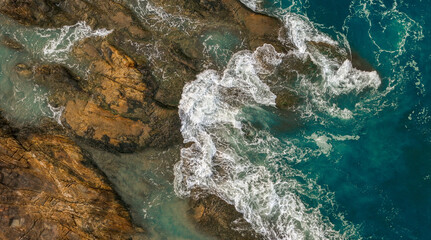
{"x":48,"y":190}
{"x":11,"y":43}
{"x":128,"y":102}
{"x":220,"y":219}
{"x":177,"y":55}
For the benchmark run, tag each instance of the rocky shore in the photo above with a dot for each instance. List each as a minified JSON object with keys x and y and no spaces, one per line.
{"x":126,"y":103}
{"x":50,"y":190}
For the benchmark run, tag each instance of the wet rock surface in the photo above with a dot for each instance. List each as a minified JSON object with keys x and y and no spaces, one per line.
{"x":179,"y":52}
{"x":48,"y":190}
{"x":114,"y":106}
{"x":88,"y":120}
{"x":218,"y":218}
{"x":127,"y":100}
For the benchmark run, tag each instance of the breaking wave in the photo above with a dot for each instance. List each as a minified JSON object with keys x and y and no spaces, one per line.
{"x":226,"y":118}
{"x":234,"y":159}
{"x":336,"y":75}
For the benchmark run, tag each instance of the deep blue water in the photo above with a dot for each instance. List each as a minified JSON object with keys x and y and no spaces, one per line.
{"x":381,"y":181}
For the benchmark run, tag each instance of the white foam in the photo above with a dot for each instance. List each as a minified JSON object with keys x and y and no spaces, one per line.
{"x":323,"y":141}
{"x":267,"y":59}
{"x":57,"y":112}
{"x":338,"y":78}
{"x":161,"y":20}
{"x":219,"y":161}
{"x":301,"y":31}
{"x":253,"y":4}
{"x":348,"y":79}
{"x":63,"y":39}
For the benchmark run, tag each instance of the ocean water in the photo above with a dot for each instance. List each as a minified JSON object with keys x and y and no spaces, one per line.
{"x":351,"y":160}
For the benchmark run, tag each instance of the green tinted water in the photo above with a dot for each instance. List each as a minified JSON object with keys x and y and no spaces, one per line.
{"x":144,"y":181}
{"x":220,"y":45}
{"x":21,"y":100}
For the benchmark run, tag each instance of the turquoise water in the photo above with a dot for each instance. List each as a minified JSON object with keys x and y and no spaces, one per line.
{"x":381,"y":181}
{"x":351,"y":160}
{"x":144,"y":181}
{"x":22,"y":100}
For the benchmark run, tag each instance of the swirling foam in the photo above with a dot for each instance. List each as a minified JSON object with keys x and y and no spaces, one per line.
{"x":229,"y":157}
{"x":159,"y":19}
{"x":338,"y":77}
{"x":63,"y":39}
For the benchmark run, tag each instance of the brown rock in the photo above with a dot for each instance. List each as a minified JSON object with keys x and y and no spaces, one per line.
{"x":35,"y":12}
{"x":23,"y":70}
{"x":116,"y":84}
{"x":59,"y":79}
{"x":115,"y":79}
{"x":178,"y":59}
{"x":11,"y":43}
{"x":88,"y":120}
{"x":49,"y":13}
{"x":48,"y":192}
{"x":261,"y":28}
{"x":220,"y":219}
{"x":114,"y":106}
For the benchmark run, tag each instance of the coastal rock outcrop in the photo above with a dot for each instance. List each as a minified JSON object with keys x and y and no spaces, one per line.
{"x":179,"y":52}
{"x":114,"y":106}
{"x":220,"y":219}
{"x":88,"y":120}
{"x":48,"y":190}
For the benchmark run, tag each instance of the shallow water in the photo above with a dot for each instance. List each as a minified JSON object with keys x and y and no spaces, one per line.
{"x":144,"y":182}
{"x":22,"y":100}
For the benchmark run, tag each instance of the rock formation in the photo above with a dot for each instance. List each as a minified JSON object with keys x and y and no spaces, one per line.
{"x":219,"y":219}
{"x":48,"y":190}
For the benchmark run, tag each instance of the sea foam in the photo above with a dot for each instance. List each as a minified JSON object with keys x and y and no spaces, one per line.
{"x":224,"y":157}
{"x":246,"y":165}
{"x":63,"y":39}
{"x":338,"y":77}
